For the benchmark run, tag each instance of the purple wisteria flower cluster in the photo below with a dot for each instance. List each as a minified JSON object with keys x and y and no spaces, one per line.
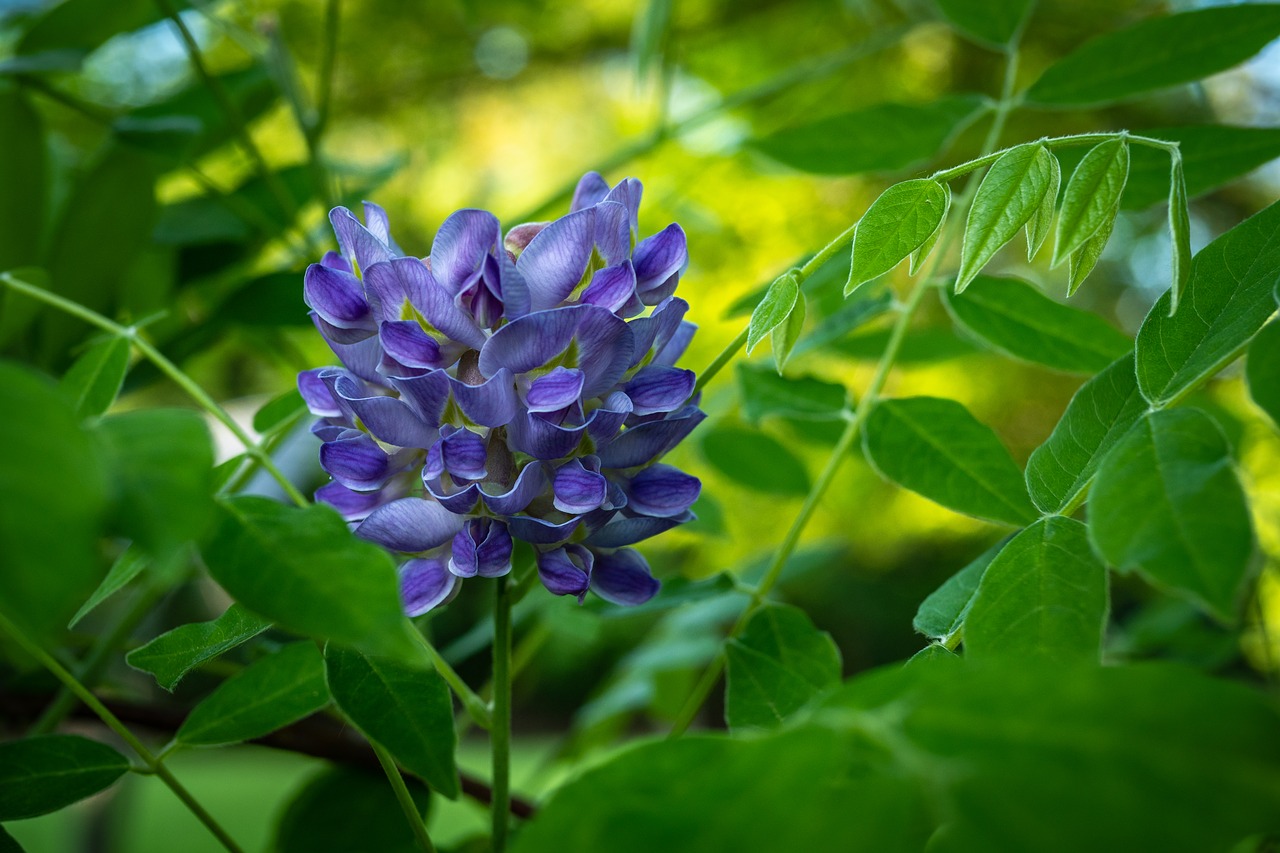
{"x":520,"y":386}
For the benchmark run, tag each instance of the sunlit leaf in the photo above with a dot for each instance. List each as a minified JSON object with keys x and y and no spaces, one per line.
{"x":936,"y":448}
{"x":765,"y":393}
{"x":1091,"y":198}
{"x":897,"y":223}
{"x":1229,"y":297}
{"x":783,"y":338}
{"x":754,"y":459}
{"x":778,"y":664}
{"x":174,"y":653}
{"x":43,"y":774}
{"x":270,"y":693}
{"x":1167,"y":503}
{"x":1179,"y":235}
{"x":1263,"y":370}
{"x":94,"y":379}
{"x":941,"y":615}
{"x":1041,"y":222}
{"x":1157,"y":53}
{"x":922,"y":253}
{"x":1084,"y":259}
{"x":773,"y":309}
{"x":1009,"y":195}
{"x":1017,"y":319}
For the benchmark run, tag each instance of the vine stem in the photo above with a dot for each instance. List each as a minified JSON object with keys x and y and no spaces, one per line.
{"x":471,"y":701}
{"x":403,"y":797}
{"x":1056,"y":142}
{"x":500,"y":731}
{"x":153,"y":764}
{"x":711,"y":675}
{"x":168,"y":368}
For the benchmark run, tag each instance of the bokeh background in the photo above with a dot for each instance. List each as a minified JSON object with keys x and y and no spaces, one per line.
{"x":503,"y":105}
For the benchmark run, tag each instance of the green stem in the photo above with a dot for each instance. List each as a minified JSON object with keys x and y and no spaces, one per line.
{"x":328,"y":60}
{"x":471,"y":701}
{"x":1055,"y":142}
{"x":167,"y":367}
{"x":403,"y":797}
{"x":500,"y":731}
{"x":85,"y":695}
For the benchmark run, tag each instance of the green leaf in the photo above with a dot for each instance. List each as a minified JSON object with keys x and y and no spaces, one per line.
{"x":126,"y":567}
{"x":22,"y":174}
{"x":880,"y":138}
{"x":1009,"y":195}
{"x":1084,"y":259}
{"x":990,"y":22}
{"x":765,"y":393}
{"x":773,"y":309}
{"x":935,"y":448}
{"x":925,"y":249}
{"x":1044,"y":597}
{"x":174,"y":653}
{"x":941,"y":616}
{"x":1092,"y":197}
{"x":1157,"y":53}
{"x":1102,"y":411}
{"x":43,"y":774}
{"x":1212,"y":155}
{"x":82,"y":25}
{"x":1230,"y":297}
{"x":52,"y":500}
{"x":1167,"y":502}
{"x":897,"y":223}
{"x":267,"y":695}
{"x":252,"y":91}
{"x":1262,"y":370}
{"x":856,"y":312}
{"x":1017,"y":319}
{"x":755,"y":460}
{"x":407,"y":710}
{"x":7,"y":843}
{"x":160,"y":463}
{"x":793,"y":787}
{"x":305,"y":570}
{"x":1040,"y":223}
{"x":782,"y":340}
{"x":349,"y":809}
{"x":776,"y":667}
{"x":94,"y":379}
{"x":1179,"y":234}
{"x":279,"y":411}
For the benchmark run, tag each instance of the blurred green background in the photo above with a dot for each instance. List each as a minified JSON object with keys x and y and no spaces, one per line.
{"x":142,"y":214}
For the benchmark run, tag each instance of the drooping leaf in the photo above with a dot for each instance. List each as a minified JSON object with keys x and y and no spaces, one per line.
{"x":922,"y":253}
{"x":777,"y":666}
{"x":278,"y":410}
{"x":897,"y":223}
{"x":346,"y":808}
{"x":765,"y":393}
{"x":39,"y":775}
{"x":1043,"y":598}
{"x":1157,"y":53}
{"x":1229,"y":296}
{"x":941,"y":616}
{"x":94,"y":379}
{"x":160,"y":463}
{"x":1009,"y":195}
{"x":52,"y":501}
{"x":305,"y":570}
{"x":1212,"y":155}
{"x":1167,"y":503}
{"x":174,"y":653}
{"x":1102,"y":411}
{"x":1092,"y":197}
{"x":409,"y":711}
{"x":1041,"y":222}
{"x":880,"y":138}
{"x":1263,"y":370}
{"x":989,"y":22}
{"x":1084,"y":259}
{"x":782,"y":340}
{"x":1017,"y":319}
{"x":126,"y":567}
{"x":270,"y":693}
{"x":773,"y":309}
{"x":1179,"y":235}
{"x":754,"y":459}
{"x":936,"y":448}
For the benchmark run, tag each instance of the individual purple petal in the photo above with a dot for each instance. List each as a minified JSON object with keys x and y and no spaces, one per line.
{"x":426,"y":583}
{"x":628,"y":530}
{"x":464,"y":453}
{"x":341,"y":335}
{"x":356,"y":461}
{"x":465,"y":238}
{"x":531,"y":341}
{"x":379,"y":225}
{"x":623,"y":577}
{"x":659,"y":389}
{"x":482,"y":547}
{"x":528,"y":485}
{"x":658,"y":258}
{"x":605,"y":348}
{"x":578,"y":489}
{"x":612,"y":232}
{"x":662,"y":490}
{"x":395,"y":283}
{"x":643,"y":443}
{"x":566,"y":571}
{"x":407,"y":343}
{"x":653,"y":332}
{"x":519,"y":237}
{"x":316,"y":394}
{"x":361,"y":358}
{"x":388,"y":419}
{"x":557,"y":390}
{"x":555,"y":260}
{"x":539,"y":531}
{"x":516,"y":298}
{"x":409,"y":525}
{"x":335,"y":261}
{"x":492,"y":403}
{"x":674,"y":348}
{"x":357,"y":243}
{"x":336,"y":296}
{"x":530,"y":433}
{"x":603,"y":423}
{"x":612,"y":287}
{"x":628,"y":193}
{"x":591,"y":190}
{"x":351,"y":505}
